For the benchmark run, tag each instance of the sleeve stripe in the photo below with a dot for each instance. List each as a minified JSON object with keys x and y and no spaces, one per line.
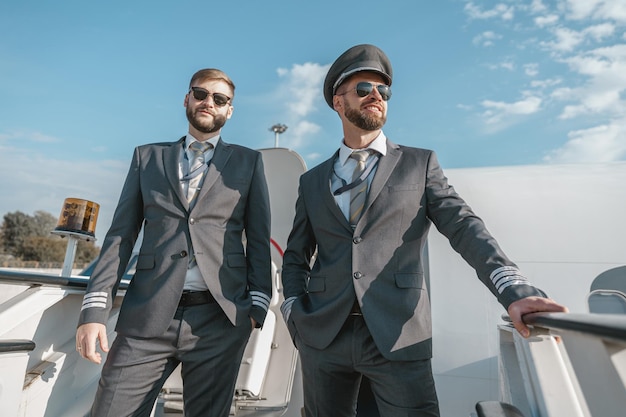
{"x":285,"y":308}
{"x":96,"y":294}
{"x":260,"y":303}
{"x":260,"y":299}
{"x":95,"y":299}
{"x":507,"y":276}
{"x":260,"y":294}
{"x":93,"y":305}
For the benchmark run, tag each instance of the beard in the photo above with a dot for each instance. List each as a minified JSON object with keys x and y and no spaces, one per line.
{"x":205,"y":125}
{"x":364,"y":121}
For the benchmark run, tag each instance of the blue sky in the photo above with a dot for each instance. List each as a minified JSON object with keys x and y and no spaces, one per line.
{"x":484,"y":83}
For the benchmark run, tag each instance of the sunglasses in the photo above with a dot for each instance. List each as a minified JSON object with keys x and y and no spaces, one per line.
{"x":201,"y":94}
{"x":364,"y":89}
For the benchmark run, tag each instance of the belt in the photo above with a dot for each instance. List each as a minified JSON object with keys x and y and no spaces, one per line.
{"x":194,"y":298}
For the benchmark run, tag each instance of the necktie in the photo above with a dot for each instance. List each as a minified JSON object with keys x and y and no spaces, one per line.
{"x":196,"y":169}
{"x":359,"y":193}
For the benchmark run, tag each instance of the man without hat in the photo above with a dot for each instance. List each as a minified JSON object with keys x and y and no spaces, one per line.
{"x":363,"y":308}
{"x":199,"y":290}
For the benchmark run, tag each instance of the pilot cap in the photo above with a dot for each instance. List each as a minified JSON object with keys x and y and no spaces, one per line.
{"x":358,"y":58}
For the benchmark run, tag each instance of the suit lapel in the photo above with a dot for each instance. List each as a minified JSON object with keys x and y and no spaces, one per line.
{"x":385,"y":168}
{"x":326,"y":172}
{"x":171,"y":161}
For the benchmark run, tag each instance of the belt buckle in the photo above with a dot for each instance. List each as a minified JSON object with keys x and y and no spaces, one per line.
{"x":186,"y":298}
{"x":191,"y":298}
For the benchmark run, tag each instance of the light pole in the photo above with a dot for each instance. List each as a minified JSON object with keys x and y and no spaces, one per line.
{"x":277,"y":129}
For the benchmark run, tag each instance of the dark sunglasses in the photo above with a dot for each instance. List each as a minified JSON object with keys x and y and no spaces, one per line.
{"x":201,"y":94}
{"x":364,"y":89}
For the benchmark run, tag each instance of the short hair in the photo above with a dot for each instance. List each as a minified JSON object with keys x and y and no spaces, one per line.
{"x":212,"y":74}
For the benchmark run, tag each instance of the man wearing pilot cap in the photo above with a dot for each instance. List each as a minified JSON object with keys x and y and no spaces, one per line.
{"x":363,"y":308}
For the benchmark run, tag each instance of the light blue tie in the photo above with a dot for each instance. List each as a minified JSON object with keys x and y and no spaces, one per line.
{"x":196,"y":169}
{"x":359,"y":193}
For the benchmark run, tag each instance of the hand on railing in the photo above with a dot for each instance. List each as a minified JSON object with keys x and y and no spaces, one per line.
{"x":527,"y":305}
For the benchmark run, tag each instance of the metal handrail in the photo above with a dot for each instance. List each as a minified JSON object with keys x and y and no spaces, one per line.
{"x":16,"y":345}
{"x":30,"y":278}
{"x":605,"y":326}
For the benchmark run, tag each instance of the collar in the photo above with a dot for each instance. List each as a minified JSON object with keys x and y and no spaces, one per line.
{"x":189,"y":139}
{"x":379,"y":145}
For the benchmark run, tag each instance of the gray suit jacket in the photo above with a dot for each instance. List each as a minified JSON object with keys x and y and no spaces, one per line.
{"x":380,"y":262}
{"x":233,"y":200}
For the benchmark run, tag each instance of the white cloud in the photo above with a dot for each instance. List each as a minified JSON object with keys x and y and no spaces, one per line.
{"x":614,"y":10}
{"x":528,"y":105}
{"x":543,"y":84}
{"x":604,"y":143}
{"x":537,"y":6}
{"x":564,"y":93}
{"x":501,"y":11}
{"x":300,"y":95}
{"x":585,"y":36}
{"x":602,"y":95}
{"x":566,"y":40}
{"x":486,"y":38}
{"x":603,"y":92}
{"x":303,"y":83}
{"x":600,"y":32}
{"x":507,"y":65}
{"x":547,"y":20}
{"x":532,"y":70}
{"x":300,"y":131}
{"x":577,"y":9}
{"x":499,"y":113}
{"x":30,"y":136}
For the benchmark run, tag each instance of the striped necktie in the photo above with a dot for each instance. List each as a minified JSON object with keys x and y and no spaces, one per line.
{"x":196,"y":169}
{"x":359,"y":193}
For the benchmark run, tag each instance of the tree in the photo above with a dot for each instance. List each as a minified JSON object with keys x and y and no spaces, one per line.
{"x":17,"y":226}
{"x":53,"y":248}
{"x":44,"y":223}
{"x":43,"y":249}
{"x":28,"y":238}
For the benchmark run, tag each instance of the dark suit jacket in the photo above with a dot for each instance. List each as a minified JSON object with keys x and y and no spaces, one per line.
{"x":233,"y":199}
{"x":380,"y":262}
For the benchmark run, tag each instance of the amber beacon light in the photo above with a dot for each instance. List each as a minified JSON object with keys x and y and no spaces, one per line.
{"x":77,"y":221}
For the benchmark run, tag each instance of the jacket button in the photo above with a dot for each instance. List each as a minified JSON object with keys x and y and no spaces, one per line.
{"x":183,"y":254}
{"x":192,"y":221}
{"x":358,"y":275}
{"x":357,"y":240}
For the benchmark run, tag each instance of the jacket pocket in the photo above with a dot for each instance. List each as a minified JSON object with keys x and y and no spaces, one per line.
{"x":145,"y":262}
{"x":409,"y":280}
